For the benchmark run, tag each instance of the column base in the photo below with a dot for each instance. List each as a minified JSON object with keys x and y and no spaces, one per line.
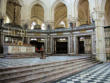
{"x":48,"y":54}
{"x":101,"y":57}
{"x":70,"y":54}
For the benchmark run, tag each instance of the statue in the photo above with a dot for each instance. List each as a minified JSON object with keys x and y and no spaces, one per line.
{"x":92,"y":21}
{"x":25,"y":26}
{"x":48,"y":27}
{"x":71,"y":25}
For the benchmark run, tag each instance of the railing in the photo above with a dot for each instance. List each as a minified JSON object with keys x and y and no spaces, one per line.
{"x":23,"y":32}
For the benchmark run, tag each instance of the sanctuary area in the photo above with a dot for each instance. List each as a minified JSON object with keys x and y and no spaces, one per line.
{"x":51,"y":41}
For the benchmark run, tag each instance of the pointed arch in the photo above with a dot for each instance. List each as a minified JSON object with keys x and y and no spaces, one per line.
{"x":37,"y":14}
{"x":56,"y":3}
{"x":60,"y":13}
{"x":40,"y":3}
{"x":83,"y":12}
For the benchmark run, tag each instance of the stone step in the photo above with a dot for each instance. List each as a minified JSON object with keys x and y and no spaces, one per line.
{"x":59,"y":76}
{"x":43,"y":75}
{"x":46,"y":78}
{"x":22,"y":55}
{"x":32,"y":71}
{"x":38,"y":66}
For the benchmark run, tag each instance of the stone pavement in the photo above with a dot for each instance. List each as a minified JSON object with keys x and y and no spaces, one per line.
{"x":97,"y":74}
{"x":4,"y":63}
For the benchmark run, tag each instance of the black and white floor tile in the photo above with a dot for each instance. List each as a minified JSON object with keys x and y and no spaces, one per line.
{"x":97,"y":74}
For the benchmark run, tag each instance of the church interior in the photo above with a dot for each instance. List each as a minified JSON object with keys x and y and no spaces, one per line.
{"x":54,"y":41}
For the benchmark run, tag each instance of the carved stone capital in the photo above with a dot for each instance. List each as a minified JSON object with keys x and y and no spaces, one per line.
{"x":72,"y":22}
{"x":49,"y":24}
{"x":98,"y":15}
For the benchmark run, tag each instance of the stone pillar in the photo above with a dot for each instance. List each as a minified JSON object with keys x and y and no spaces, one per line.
{"x":93,"y":37}
{"x":75,"y":45}
{"x":100,"y":36}
{"x":3,"y":4}
{"x":28,"y":40}
{"x":71,"y":44}
{"x":49,"y":45}
{"x":25,"y":16}
{"x":72,"y":24}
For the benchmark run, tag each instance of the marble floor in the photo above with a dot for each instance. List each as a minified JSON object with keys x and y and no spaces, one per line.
{"x":97,"y":74}
{"x":4,"y":62}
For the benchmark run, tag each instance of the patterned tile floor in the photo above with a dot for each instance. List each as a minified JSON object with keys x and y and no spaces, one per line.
{"x":97,"y":74}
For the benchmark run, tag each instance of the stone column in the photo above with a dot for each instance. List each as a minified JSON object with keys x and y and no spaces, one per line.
{"x":100,"y":36}
{"x":3,"y":4}
{"x":25,"y":21}
{"x":74,"y":45}
{"x":49,"y":45}
{"x":28,"y":40}
{"x":72,"y":24}
{"x":25,"y":16}
{"x":93,"y":37}
{"x":71,"y":44}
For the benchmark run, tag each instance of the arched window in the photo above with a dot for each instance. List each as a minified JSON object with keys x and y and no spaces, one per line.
{"x":62,"y":23}
{"x":37,"y":15}
{"x":7,"y":20}
{"x":43,"y":27}
{"x":33,"y":24}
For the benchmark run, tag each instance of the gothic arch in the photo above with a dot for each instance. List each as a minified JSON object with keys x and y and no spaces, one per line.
{"x":40,"y":3}
{"x":37,"y":14}
{"x":83,"y":12}
{"x":37,"y":11}
{"x":56,"y":3}
{"x":60,"y":13}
